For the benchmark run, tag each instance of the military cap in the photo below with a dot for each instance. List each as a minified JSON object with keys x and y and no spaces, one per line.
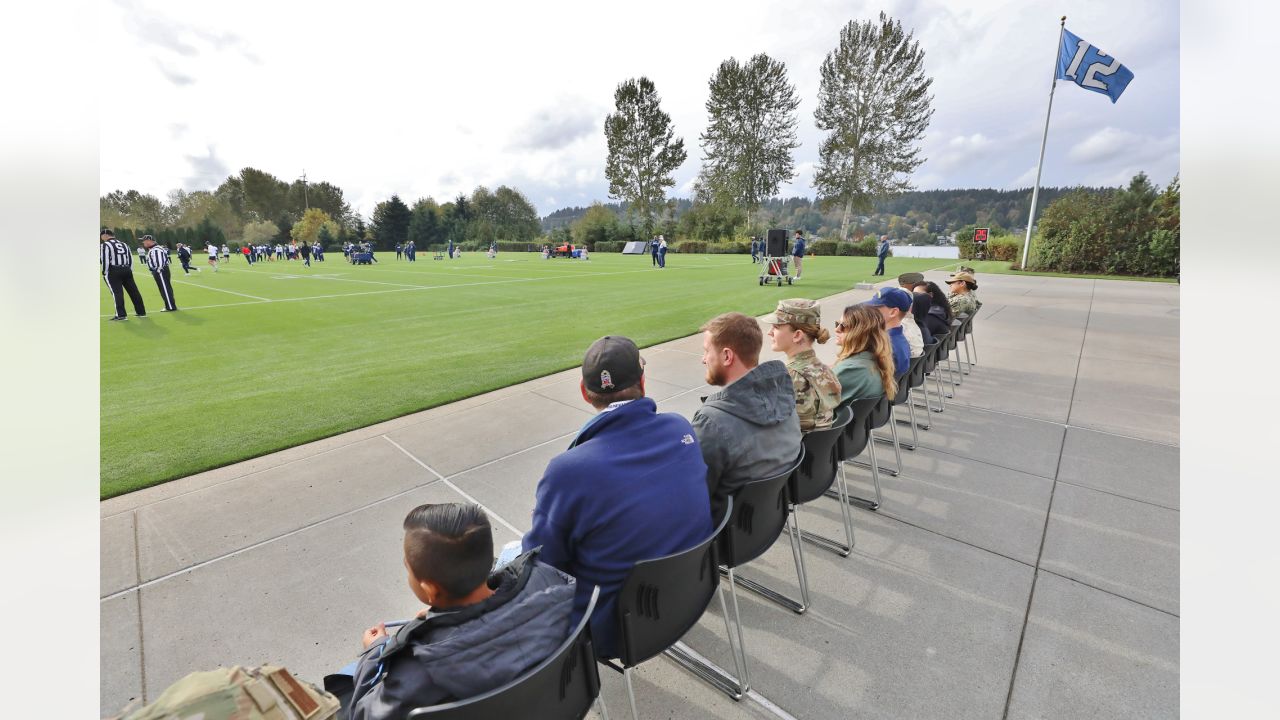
{"x":911,"y":279}
{"x":796,"y":311}
{"x":966,"y":277}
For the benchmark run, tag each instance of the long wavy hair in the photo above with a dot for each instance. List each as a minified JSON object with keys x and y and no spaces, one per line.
{"x":864,"y":330}
{"x":939,"y":298}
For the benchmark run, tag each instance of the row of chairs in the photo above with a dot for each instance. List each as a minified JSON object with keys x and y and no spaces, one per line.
{"x":663,"y":598}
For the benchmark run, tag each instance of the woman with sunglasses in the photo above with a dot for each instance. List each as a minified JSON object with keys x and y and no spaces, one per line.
{"x":864,"y":363}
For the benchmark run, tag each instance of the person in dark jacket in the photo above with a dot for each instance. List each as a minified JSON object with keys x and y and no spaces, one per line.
{"x":750,"y":429}
{"x":479,"y":631}
{"x":939,"y":317}
{"x":629,"y":488}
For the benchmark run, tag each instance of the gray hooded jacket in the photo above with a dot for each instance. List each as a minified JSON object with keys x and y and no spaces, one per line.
{"x":748,"y":431}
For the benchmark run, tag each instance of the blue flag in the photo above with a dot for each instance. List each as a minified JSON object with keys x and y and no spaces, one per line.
{"x":1091,"y":68}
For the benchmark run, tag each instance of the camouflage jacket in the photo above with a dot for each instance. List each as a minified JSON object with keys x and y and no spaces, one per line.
{"x":964,"y":304}
{"x":817,"y":391}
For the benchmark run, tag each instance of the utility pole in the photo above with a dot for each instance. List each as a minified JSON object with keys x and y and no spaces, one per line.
{"x":304,"y":189}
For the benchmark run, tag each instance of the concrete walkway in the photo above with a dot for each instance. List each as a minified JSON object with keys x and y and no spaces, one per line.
{"x":1024,"y":565}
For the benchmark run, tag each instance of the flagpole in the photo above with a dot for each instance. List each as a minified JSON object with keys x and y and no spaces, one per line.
{"x":1035,"y":194}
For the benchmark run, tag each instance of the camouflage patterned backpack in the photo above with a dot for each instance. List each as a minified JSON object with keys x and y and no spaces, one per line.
{"x":239,"y":693}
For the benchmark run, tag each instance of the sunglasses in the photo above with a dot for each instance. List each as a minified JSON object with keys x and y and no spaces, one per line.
{"x":841,"y":327}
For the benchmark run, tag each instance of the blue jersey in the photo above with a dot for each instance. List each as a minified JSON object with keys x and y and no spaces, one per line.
{"x":798,"y":250}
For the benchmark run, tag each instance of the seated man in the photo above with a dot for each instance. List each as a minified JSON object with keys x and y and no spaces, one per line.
{"x":910,"y":330}
{"x":750,"y":429}
{"x":478,"y":632}
{"x":894,"y":304}
{"x":629,"y":488}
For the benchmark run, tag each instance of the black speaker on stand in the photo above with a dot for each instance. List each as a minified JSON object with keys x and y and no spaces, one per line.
{"x":776,"y":243}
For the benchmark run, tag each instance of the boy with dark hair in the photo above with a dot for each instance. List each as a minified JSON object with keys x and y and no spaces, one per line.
{"x":478,"y":631}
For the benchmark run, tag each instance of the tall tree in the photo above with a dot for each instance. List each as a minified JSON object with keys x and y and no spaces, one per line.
{"x":751,"y":130}
{"x":874,"y":103}
{"x":424,"y":223}
{"x":391,"y":222}
{"x":643,"y":149}
{"x":264,"y":195}
{"x":313,"y":221}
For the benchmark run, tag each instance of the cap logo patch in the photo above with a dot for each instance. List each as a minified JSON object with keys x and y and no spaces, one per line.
{"x":606,"y":380}
{"x":686,"y":440}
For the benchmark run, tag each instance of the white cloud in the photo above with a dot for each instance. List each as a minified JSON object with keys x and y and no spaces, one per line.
{"x":434,"y":99}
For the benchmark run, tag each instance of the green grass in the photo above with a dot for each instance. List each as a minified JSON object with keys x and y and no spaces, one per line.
{"x":1002,"y":267}
{"x":267,"y":357}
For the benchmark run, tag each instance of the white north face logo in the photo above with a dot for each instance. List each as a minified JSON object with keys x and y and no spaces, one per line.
{"x":687,"y":440}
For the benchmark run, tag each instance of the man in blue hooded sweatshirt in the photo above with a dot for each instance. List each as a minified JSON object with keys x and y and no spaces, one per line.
{"x":630,"y":487}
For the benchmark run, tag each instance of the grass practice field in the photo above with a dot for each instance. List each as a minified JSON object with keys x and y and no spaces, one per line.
{"x":265,"y":357}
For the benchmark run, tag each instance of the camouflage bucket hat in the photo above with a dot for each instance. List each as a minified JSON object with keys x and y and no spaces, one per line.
{"x":796,"y":311}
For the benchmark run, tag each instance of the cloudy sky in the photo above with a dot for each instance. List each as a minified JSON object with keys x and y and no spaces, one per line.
{"x":411,"y":98}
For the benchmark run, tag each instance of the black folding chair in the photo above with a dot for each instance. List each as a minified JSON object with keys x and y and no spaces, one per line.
{"x":880,"y":417}
{"x":903,"y":396}
{"x":562,"y":687}
{"x":919,"y":380}
{"x":856,"y":438}
{"x":661,"y":599}
{"x":820,"y":470}
{"x":759,"y":513}
{"x":931,"y":369}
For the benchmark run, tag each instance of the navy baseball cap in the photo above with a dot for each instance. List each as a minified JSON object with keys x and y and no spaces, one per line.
{"x":612,"y":364}
{"x":891,"y":297}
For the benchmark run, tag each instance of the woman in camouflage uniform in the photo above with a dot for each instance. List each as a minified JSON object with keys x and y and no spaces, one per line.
{"x":797,"y":323}
{"x":961,"y":298}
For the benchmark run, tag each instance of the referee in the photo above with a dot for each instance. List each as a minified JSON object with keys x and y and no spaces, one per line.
{"x":158,"y":262}
{"x":117,"y":272}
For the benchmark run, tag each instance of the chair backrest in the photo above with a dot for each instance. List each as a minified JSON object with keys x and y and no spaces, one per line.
{"x":662,"y":598}
{"x":908,"y":380}
{"x":562,"y":687}
{"x":883,"y":410}
{"x":759,"y":514}
{"x":918,"y":369}
{"x":821,"y":459}
{"x":939,"y":347}
{"x":963,"y":328}
{"x":858,"y":432}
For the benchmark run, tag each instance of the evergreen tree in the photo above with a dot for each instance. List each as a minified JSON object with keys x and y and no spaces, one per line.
{"x":643,"y":149}
{"x":751,"y":130}
{"x":391,"y":222}
{"x":874,"y":102}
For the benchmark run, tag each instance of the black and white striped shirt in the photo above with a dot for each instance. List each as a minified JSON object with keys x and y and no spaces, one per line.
{"x":158,"y":258}
{"x":114,"y":253}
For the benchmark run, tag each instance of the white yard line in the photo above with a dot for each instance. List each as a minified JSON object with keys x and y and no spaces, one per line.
{"x":230,"y":292}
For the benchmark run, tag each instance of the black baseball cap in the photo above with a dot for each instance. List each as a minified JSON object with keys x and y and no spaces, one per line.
{"x":612,"y":364}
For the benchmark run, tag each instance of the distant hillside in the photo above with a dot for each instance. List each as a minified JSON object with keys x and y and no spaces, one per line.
{"x":923,"y":212}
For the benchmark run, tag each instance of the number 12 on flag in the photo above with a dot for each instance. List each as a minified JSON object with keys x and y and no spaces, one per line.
{"x":1091,"y":68}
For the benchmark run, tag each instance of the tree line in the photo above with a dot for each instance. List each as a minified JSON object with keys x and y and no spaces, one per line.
{"x":254,"y":207}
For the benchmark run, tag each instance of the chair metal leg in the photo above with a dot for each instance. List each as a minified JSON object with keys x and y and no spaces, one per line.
{"x":967,"y":361}
{"x":974,"y":343}
{"x":897,"y":447}
{"x":841,"y":493}
{"x":631,"y":693}
{"x":928,"y":405}
{"x":911,"y":411}
{"x":713,"y":674}
{"x":796,"y":606}
{"x":797,"y":550}
{"x":600,"y":708}
{"x":937,"y":382}
{"x":745,"y":683}
{"x":954,"y":361}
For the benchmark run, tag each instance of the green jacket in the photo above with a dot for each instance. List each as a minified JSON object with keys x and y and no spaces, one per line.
{"x":859,"y":377}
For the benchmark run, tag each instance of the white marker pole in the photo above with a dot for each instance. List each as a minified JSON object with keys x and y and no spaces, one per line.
{"x":1035,"y":194}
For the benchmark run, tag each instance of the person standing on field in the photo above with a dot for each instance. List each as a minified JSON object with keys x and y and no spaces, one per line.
{"x":117,"y":273}
{"x":882,"y":252}
{"x":158,"y":263}
{"x":212,"y":250}
{"x":797,"y":251}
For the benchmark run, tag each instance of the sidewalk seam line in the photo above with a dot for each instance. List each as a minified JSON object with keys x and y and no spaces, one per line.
{"x":501,"y":520}
{"x":1111,"y":593}
{"x":1048,"y":515}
